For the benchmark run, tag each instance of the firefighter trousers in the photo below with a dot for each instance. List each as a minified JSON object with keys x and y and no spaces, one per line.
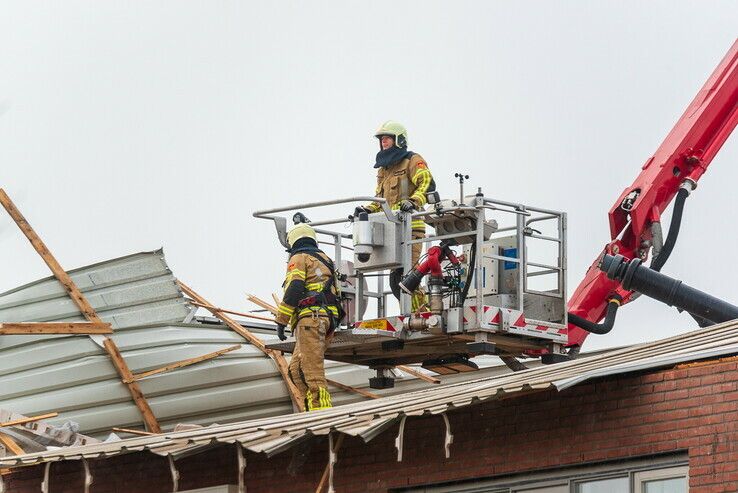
{"x":306,"y":368}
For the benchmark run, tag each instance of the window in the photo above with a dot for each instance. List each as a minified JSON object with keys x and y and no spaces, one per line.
{"x":661,"y":474}
{"x":673,"y":480}
{"x":612,"y":485}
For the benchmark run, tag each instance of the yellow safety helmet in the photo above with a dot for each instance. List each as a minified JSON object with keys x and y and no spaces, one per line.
{"x":395,"y":130}
{"x":302,"y":230}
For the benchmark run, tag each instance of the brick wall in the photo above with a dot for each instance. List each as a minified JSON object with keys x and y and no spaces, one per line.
{"x":692,"y":409}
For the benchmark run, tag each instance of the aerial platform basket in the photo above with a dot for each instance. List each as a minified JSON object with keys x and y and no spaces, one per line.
{"x":489,"y":299}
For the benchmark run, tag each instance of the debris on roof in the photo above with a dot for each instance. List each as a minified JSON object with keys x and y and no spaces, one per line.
{"x":139,"y":296}
{"x":24,"y":434}
{"x":367,"y":419}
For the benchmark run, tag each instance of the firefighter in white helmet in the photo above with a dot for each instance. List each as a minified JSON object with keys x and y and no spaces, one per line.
{"x":403,"y":179}
{"x":312,"y":308}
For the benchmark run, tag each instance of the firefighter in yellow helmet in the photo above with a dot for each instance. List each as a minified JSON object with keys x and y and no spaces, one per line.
{"x":312,"y":308}
{"x":403,"y":179}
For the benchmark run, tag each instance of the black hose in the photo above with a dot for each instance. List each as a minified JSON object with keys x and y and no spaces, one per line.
{"x":634,"y":276}
{"x":395,"y":278}
{"x":472,"y":263}
{"x":676,"y":221}
{"x":603,"y":328}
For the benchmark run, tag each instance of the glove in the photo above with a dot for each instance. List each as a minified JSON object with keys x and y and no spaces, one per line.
{"x":407,"y":205}
{"x":280,"y":332}
{"x":359,"y":210}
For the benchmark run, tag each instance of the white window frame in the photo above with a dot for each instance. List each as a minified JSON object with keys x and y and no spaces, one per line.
{"x":575,"y":483}
{"x":642,"y":477}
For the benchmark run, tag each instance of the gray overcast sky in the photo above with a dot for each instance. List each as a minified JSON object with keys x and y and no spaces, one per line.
{"x":129,"y":126}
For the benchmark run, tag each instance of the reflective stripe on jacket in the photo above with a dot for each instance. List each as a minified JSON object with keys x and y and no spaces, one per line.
{"x":409,"y":179}
{"x":305,"y":273}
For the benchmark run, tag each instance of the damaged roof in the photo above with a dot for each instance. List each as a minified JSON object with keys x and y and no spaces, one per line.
{"x":369,"y":418}
{"x":153,"y":326}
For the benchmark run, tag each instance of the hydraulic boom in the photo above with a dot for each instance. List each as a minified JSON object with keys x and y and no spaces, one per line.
{"x":635,"y":218}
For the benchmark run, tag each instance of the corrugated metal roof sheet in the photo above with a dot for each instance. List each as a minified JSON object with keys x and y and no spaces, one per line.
{"x":72,"y":375}
{"x":367,"y":419}
{"x":137,"y":289}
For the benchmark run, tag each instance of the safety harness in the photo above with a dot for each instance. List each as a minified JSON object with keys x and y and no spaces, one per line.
{"x":324,"y":297}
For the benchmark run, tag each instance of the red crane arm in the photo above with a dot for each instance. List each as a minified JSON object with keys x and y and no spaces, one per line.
{"x":684,"y":155}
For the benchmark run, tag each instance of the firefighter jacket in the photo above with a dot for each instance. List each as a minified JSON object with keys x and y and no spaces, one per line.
{"x":409,"y":179}
{"x":310,"y":287}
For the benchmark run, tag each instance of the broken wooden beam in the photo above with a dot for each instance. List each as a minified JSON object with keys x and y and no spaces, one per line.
{"x":276,"y":299}
{"x":31,"y":328}
{"x":276,"y":356}
{"x":30,"y":419}
{"x":126,"y":376}
{"x":261,"y":303}
{"x":417,"y":374}
{"x":232,"y":312}
{"x":185,"y":362}
{"x":134,"y":432}
{"x":349,"y":388}
{"x":255,"y":341}
{"x":49,"y":259}
{"x":84,"y":306}
{"x":11,"y":445}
